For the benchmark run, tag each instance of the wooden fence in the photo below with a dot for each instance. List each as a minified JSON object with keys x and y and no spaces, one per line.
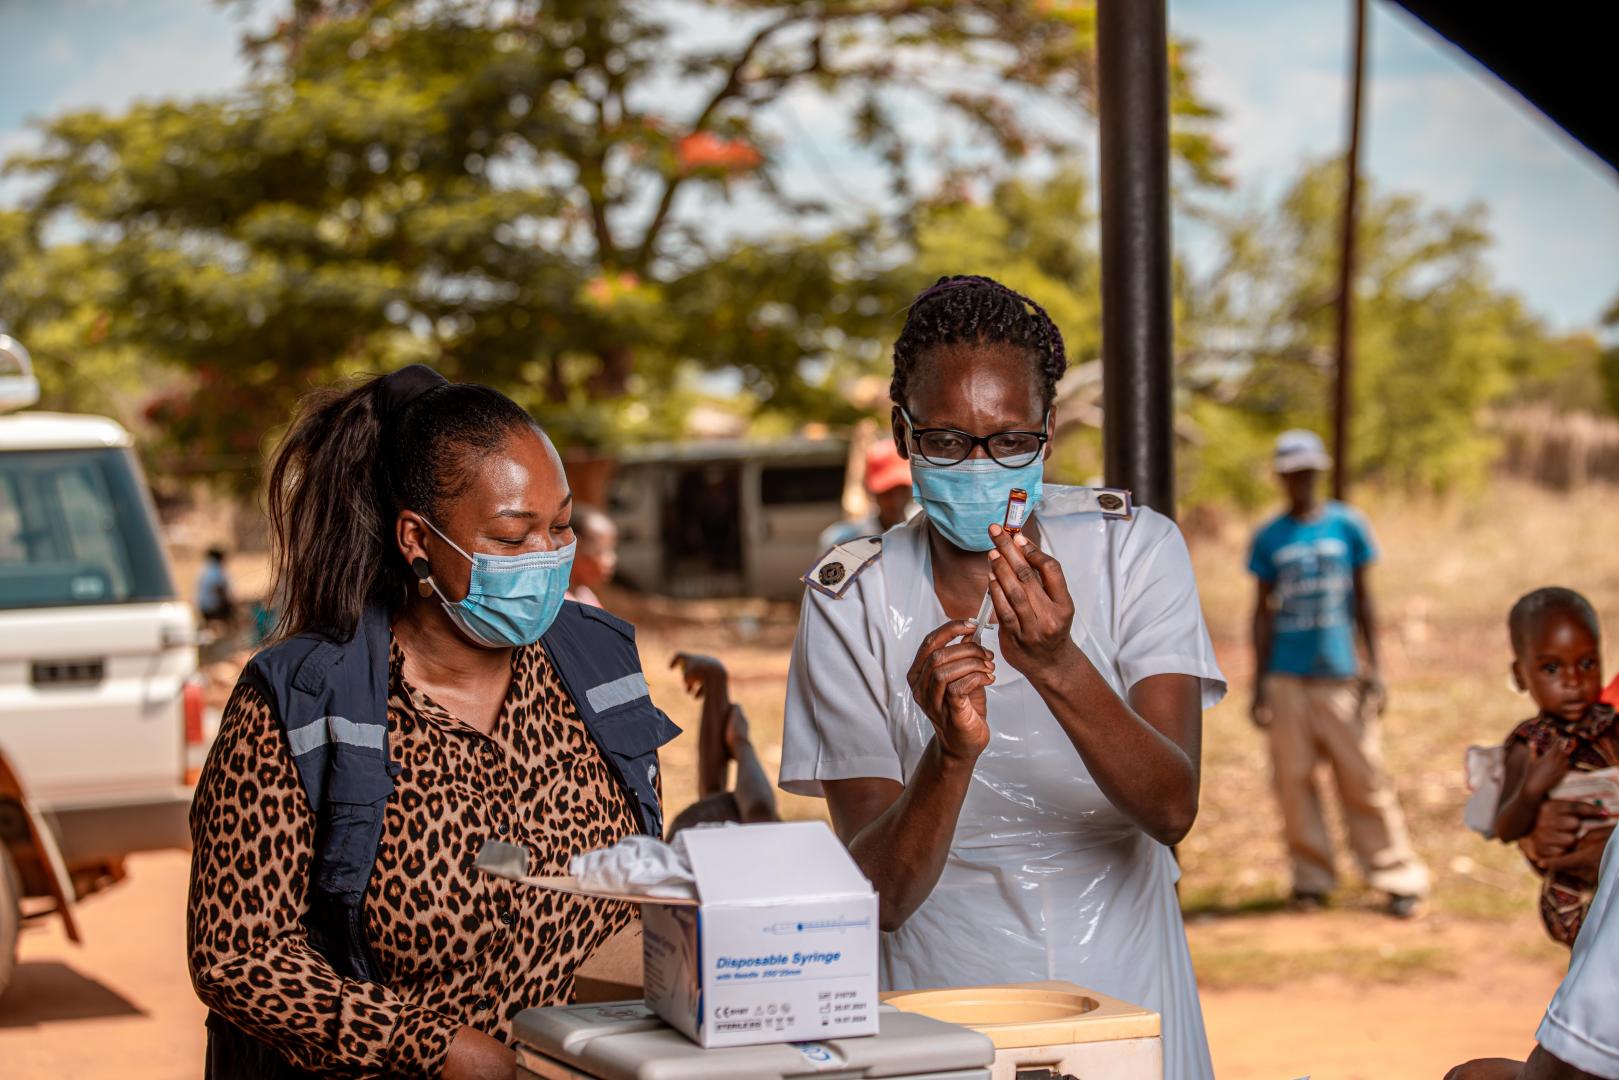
{"x":1560,"y":450}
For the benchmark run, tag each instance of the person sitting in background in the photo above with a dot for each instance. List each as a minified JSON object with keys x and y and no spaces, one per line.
{"x":1579,"y":1036}
{"x":597,"y":558}
{"x":1557,"y":659}
{"x":888,"y":483}
{"x":215,"y":602}
{"x":1311,"y":694}
{"x":722,"y":738}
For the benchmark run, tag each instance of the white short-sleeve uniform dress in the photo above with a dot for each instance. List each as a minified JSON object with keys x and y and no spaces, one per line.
{"x":1045,"y":878}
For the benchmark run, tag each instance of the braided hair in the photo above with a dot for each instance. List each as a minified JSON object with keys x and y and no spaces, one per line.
{"x":968,"y":309}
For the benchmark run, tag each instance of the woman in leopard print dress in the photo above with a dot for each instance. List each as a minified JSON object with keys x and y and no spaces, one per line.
{"x":486,"y":738}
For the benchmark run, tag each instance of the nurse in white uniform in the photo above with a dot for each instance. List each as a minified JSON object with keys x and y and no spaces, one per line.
{"x":1013,"y":802}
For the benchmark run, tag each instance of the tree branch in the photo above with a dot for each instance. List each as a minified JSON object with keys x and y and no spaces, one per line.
{"x":728,"y":89}
{"x":593,"y":178}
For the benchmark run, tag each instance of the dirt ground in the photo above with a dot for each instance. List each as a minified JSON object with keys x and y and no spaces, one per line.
{"x":1343,"y":994}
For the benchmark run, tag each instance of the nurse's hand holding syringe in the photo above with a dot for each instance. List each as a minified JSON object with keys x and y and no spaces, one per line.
{"x":947,"y":680}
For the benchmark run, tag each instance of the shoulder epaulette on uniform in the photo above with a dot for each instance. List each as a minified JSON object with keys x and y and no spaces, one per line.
{"x":1109,"y":502}
{"x":842,"y":564}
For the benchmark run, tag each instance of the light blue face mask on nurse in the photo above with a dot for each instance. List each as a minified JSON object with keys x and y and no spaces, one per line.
{"x":964,"y":498}
{"x":511,"y":599}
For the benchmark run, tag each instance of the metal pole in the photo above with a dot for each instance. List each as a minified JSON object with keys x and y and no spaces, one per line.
{"x":1138,"y":384}
{"x":1343,"y":397}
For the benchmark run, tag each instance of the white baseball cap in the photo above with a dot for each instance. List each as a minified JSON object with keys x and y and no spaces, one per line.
{"x":1298,"y":450}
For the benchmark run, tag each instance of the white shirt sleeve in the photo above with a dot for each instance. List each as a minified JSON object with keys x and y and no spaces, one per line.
{"x":835,"y":725}
{"x":1582,"y":1024}
{"x":1160,"y":619}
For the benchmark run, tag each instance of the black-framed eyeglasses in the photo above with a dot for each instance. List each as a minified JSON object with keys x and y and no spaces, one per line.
{"x":947,"y":446}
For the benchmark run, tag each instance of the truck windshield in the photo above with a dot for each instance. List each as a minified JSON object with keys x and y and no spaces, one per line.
{"x":76,"y":528}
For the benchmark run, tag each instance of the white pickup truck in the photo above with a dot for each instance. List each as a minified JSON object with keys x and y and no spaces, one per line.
{"x":98,"y":659}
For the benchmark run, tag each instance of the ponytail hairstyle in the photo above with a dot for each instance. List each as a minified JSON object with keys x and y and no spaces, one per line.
{"x":969,"y":309}
{"x":355,"y":456}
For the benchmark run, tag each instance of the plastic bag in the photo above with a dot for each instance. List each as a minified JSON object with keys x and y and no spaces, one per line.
{"x":640,"y":865}
{"x":1486,"y":768}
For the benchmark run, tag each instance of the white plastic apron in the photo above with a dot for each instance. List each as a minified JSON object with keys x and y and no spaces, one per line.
{"x":1045,"y":878}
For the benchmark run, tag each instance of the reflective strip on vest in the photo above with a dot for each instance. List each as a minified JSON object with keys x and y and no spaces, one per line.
{"x":335,"y":729}
{"x":618,"y":692}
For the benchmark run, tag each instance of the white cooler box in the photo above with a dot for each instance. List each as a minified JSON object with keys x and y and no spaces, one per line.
{"x":628,"y":1041}
{"x":1050,"y":1030}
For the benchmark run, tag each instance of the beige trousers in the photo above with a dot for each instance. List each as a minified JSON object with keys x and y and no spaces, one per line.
{"x":1316,"y":719}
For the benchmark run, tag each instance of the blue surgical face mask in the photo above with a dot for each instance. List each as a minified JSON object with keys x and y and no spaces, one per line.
{"x":963,"y":500}
{"x":511,"y":599}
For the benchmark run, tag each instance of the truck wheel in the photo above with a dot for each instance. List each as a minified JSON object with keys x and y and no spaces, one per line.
{"x":10,"y":917}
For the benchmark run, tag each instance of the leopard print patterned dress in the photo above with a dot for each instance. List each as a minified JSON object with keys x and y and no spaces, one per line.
{"x":455,"y":947}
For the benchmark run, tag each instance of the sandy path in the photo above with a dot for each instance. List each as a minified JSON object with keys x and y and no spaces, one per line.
{"x":120,"y":1005}
{"x":1329,"y":1029}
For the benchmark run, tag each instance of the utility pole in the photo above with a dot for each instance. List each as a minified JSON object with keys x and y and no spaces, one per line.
{"x":1138,"y":377}
{"x":1343,"y":391}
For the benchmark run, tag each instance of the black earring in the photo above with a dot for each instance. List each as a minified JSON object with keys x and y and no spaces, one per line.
{"x":424,"y":576}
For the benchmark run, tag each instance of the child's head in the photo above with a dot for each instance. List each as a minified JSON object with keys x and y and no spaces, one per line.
{"x":1556,"y":651}
{"x":596,"y":558}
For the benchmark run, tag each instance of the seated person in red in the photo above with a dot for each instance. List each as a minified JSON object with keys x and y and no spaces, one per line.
{"x":1556,"y":644}
{"x":722,"y":738}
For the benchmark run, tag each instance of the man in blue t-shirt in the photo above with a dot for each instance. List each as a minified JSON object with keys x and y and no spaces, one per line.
{"x":1313,"y":695}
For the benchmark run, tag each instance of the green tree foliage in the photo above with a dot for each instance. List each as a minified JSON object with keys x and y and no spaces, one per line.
{"x":547,"y":196}
{"x":1435,"y":341}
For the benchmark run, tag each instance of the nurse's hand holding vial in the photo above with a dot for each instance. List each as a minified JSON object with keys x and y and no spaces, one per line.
{"x":948,"y":683}
{"x":1032,"y":605}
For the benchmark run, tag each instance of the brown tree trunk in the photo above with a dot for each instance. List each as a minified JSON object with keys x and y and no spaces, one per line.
{"x":612,"y":379}
{"x":556,"y":387}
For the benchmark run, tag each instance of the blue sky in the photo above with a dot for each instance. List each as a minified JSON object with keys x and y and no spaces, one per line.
{"x":1437,"y":125}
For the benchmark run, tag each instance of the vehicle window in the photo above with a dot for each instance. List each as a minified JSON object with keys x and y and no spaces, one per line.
{"x":783,"y":484}
{"x":76,"y":528}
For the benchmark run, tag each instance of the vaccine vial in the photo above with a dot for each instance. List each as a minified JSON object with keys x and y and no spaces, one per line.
{"x":1017,"y":511}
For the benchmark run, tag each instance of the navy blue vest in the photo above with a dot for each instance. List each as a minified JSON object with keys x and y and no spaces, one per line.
{"x":331,"y":700}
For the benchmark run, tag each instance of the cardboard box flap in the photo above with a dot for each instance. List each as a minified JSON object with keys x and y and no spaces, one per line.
{"x":756,"y":864}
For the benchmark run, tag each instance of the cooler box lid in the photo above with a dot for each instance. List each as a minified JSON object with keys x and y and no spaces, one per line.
{"x":1020,"y":1015}
{"x":627,"y":1041}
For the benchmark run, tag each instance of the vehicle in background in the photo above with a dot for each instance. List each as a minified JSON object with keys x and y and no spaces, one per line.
{"x":100,"y":702}
{"x":725,"y":517}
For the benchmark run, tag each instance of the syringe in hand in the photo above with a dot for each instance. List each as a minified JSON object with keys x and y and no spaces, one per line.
{"x":1017,"y":513}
